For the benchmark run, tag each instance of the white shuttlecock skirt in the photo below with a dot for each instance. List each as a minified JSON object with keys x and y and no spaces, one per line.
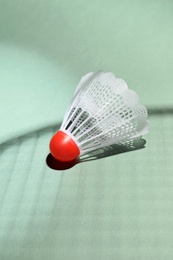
{"x":103,"y":112}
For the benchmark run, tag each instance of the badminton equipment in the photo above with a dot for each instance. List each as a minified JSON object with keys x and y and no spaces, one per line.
{"x":103,"y":112}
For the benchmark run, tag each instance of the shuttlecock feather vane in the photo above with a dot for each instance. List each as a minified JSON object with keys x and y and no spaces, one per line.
{"x":102,"y":112}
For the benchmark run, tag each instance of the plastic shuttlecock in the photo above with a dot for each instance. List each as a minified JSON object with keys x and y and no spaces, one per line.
{"x":102,"y":112}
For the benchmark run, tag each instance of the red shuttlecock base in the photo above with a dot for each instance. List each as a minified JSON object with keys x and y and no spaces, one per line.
{"x":63,"y":148}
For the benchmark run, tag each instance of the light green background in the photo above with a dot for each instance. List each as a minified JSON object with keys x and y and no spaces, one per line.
{"x":119,"y":207}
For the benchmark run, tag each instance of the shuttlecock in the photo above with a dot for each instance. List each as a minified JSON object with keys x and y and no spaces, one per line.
{"x":102,"y":112}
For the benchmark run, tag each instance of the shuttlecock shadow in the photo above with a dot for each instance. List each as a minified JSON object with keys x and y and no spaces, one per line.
{"x":58,"y":165}
{"x":107,"y":151}
{"x":114,"y":149}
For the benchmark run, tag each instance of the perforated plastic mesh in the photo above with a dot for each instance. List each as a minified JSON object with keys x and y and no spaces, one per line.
{"x":104,"y":111}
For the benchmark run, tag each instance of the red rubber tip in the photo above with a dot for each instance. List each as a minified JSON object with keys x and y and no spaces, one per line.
{"x":63,"y":148}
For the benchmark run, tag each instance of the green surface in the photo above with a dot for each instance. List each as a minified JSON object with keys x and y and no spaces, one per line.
{"x":119,"y":207}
